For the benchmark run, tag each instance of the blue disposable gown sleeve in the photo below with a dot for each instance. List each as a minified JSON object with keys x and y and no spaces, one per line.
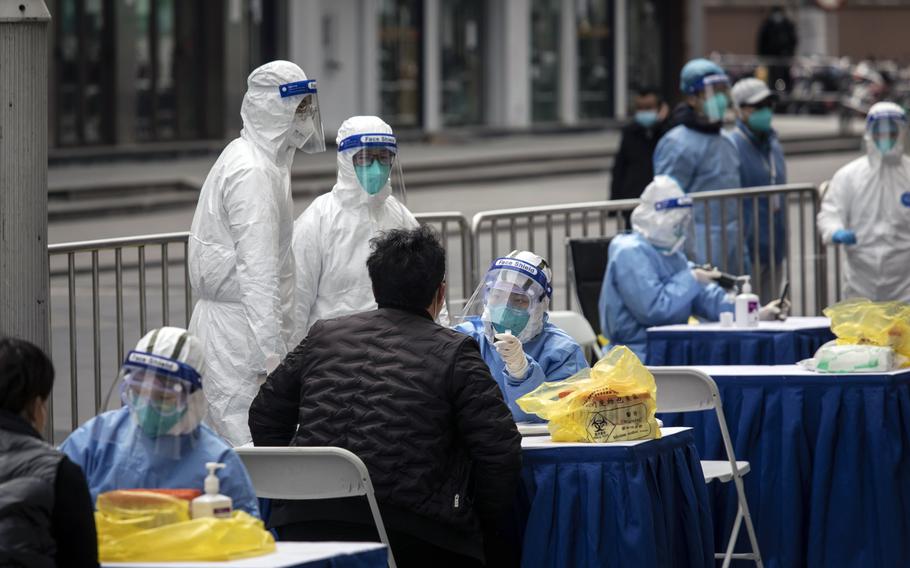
{"x":710,"y":302}
{"x":673,"y":158}
{"x":651,"y":300}
{"x":566,"y":359}
{"x":513,"y":388}
{"x":236,"y":484}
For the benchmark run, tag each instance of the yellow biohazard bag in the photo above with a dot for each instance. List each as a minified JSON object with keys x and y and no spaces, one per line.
{"x":137,"y":526}
{"x":615,"y":401}
{"x":864,"y":322}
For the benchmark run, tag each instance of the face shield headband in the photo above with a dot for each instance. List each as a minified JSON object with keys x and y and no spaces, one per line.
{"x":163,"y":366}
{"x":718,"y":81}
{"x":526,"y":269}
{"x":674,"y":203}
{"x":379,"y":140}
{"x":307,"y":87}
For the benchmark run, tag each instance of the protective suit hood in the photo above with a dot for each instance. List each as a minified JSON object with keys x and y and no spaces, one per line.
{"x":268,"y":117}
{"x":347,"y":187}
{"x":664,"y":214}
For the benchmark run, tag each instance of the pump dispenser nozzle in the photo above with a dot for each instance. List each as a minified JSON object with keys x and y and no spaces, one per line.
{"x":212,"y":485}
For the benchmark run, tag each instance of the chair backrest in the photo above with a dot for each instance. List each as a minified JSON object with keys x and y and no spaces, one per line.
{"x":579,"y":329}
{"x":680,"y":389}
{"x":589,"y":262}
{"x":305,"y":473}
{"x":683,"y":389}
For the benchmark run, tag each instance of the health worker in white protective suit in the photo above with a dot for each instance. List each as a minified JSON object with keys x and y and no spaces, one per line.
{"x":332,"y":237}
{"x":240,"y":260}
{"x":867,"y":209}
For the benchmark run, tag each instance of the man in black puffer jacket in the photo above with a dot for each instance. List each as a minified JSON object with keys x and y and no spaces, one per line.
{"x":414,"y":400}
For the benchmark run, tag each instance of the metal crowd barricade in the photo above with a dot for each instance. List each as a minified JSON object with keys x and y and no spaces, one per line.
{"x":118,"y":270}
{"x":101,"y":305}
{"x":547,"y":229}
{"x":100,"y":290}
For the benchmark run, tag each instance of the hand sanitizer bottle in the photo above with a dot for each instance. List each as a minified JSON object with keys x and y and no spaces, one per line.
{"x":212,"y":504}
{"x":747,"y":306}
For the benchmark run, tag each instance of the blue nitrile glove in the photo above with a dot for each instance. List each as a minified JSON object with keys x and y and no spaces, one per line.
{"x":844,"y":237}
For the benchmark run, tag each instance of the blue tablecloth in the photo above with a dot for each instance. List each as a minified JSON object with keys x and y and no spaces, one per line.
{"x":729,"y":346}
{"x":617,"y":506}
{"x":830,"y":457}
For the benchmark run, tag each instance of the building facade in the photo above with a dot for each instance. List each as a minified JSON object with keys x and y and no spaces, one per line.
{"x":166,"y":72}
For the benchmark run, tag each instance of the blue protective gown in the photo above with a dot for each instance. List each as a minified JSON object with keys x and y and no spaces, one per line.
{"x":115,"y":454}
{"x":705,"y":161}
{"x":643,"y":288}
{"x":552,"y":356}
{"x":757,"y":159}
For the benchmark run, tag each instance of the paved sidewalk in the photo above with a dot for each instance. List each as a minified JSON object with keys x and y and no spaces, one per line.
{"x":452,"y":153}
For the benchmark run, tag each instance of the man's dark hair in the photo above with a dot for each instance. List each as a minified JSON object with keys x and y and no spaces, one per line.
{"x":406,"y":267}
{"x":646,"y":90}
{"x":26,"y":373}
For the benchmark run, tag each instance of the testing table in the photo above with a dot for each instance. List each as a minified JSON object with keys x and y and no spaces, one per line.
{"x":830,"y":463}
{"x":291,"y":555}
{"x":771,"y":343}
{"x":615,"y":505}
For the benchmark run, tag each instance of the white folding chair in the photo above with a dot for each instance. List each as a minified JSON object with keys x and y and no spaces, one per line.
{"x":681,"y":389}
{"x":303,"y":473}
{"x":578,"y":329}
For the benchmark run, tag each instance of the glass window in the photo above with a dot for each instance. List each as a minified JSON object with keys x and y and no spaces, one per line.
{"x":156,"y":109}
{"x":400,"y":41}
{"x":84,"y":75}
{"x":461,"y":36}
{"x":594,"y":19}
{"x":545,"y":23}
{"x":645,"y":45}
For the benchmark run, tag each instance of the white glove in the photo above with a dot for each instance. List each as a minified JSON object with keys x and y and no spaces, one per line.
{"x":703,"y":276}
{"x":512,"y":354}
{"x":774,"y":310}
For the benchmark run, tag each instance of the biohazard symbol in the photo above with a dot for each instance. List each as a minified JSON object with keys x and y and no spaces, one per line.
{"x":599,"y":426}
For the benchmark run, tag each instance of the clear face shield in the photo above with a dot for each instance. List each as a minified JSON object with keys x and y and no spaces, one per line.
{"x":374,"y":162}
{"x":306,"y":131}
{"x":164,"y":396}
{"x":886,"y":132}
{"x":713,"y":92}
{"x":513,"y":297}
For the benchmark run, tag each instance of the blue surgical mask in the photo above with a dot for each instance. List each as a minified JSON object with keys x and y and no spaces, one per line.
{"x":373,"y":177}
{"x":505,"y":318}
{"x":760,"y":120}
{"x":646,"y":118}
{"x":884,"y":145}
{"x":715,"y":107}
{"x":152,"y":422}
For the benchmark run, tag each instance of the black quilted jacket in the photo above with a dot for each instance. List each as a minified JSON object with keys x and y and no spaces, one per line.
{"x":414,"y":400}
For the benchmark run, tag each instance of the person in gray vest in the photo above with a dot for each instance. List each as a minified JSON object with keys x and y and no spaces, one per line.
{"x":46,"y":517}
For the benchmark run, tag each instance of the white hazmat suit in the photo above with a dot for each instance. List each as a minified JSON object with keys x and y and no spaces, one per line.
{"x":867,"y":208}
{"x":240,"y":259}
{"x":332,"y":237}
